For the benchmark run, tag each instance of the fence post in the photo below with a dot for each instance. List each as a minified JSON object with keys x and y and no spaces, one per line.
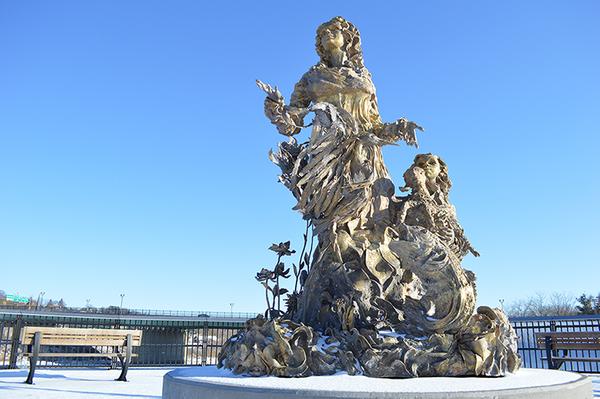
{"x":15,"y":342}
{"x":553,"y":329}
{"x":204,"y":343}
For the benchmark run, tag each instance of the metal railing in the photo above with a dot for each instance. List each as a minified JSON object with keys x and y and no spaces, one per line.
{"x":9,"y":342}
{"x":164,"y":343}
{"x":197,"y":341}
{"x":526,"y":327}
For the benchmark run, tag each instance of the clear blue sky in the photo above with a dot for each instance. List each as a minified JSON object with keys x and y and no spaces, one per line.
{"x":133,"y":146}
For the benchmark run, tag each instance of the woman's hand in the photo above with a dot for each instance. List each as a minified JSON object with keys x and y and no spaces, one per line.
{"x":278,"y":113}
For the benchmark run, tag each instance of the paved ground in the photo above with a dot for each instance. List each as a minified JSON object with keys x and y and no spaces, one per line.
{"x":144,"y":383}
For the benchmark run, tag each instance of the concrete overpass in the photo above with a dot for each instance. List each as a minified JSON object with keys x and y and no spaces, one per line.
{"x":201,"y":318}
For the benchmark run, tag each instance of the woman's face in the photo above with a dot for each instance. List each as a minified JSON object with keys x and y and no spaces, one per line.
{"x":332,"y":38}
{"x":431,"y":166}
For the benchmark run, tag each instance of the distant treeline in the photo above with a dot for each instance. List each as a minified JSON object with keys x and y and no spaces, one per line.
{"x":555,"y":304}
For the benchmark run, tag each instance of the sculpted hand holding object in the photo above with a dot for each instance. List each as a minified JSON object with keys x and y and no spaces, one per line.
{"x":385,"y":294}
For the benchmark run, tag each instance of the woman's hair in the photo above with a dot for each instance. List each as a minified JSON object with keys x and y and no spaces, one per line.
{"x":443,"y":180}
{"x":351,"y":44}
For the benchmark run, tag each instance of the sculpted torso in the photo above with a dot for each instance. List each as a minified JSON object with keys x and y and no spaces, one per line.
{"x":347,"y":88}
{"x":353,"y":157}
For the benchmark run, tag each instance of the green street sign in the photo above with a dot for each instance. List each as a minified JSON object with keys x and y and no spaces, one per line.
{"x":17,"y":298}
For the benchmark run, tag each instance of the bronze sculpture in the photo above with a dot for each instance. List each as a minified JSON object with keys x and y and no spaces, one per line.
{"x":384,"y":293}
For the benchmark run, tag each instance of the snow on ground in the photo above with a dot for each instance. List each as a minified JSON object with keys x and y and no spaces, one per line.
{"x":144,"y":383}
{"x":596,"y":382}
{"x":97,"y":383}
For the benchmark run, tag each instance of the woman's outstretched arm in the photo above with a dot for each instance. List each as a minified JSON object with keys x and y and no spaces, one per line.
{"x":288,"y":119}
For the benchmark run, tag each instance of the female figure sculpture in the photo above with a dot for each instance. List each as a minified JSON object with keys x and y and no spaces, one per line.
{"x":386,"y":294}
{"x":347,"y":158}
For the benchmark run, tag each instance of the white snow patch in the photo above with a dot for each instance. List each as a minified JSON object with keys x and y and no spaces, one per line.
{"x":342,"y":382}
{"x":322,"y":345}
{"x":146,"y":383}
{"x":398,"y":336}
{"x":392,"y":334}
{"x":431,"y":310}
{"x":97,"y":383}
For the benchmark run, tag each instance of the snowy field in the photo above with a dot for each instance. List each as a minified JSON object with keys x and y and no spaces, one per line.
{"x":144,"y":383}
{"x":98,"y":384}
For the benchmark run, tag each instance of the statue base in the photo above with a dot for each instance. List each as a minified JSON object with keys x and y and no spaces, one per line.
{"x":210,"y":382}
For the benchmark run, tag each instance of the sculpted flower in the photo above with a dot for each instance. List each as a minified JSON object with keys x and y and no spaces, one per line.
{"x":281,"y":271}
{"x":264,"y":275}
{"x":282,"y":249}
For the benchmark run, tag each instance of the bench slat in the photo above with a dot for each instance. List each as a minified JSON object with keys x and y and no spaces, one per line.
{"x":558,"y":346}
{"x":78,"y":355}
{"x":581,"y":340}
{"x":570,"y":333}
{"x":80,"y":336}
{"x":81,"y":342}
{"x":574,"y":359}
{"x":569,"y":345}
{"x":571,"y":340}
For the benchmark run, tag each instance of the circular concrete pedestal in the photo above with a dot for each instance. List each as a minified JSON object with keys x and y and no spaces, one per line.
{"x":212,"y":383}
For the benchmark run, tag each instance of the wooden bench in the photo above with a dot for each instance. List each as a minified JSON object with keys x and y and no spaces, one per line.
{"x":552,"y":342}
{"x":36,"y":337}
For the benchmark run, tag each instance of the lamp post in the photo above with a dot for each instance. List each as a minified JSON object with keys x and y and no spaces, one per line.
{"x":121,"y":307}
{"x":231,"y":308}
{"x":501,"y":304}
{"x":40,"y":299}
{"x":87,"y":305}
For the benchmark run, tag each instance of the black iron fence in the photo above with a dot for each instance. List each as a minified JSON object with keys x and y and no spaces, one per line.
{"x":9,"y":341}
{"x":184,"y":342}
{"x":526,"y":327}
{"x":196,"y":342}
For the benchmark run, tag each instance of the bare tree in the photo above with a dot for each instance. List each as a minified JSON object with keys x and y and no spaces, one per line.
{"x":561,"y":304}
{"x":556,"y":304}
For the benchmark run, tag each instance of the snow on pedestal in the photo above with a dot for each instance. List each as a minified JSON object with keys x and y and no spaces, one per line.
{"x":210,"y":382}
